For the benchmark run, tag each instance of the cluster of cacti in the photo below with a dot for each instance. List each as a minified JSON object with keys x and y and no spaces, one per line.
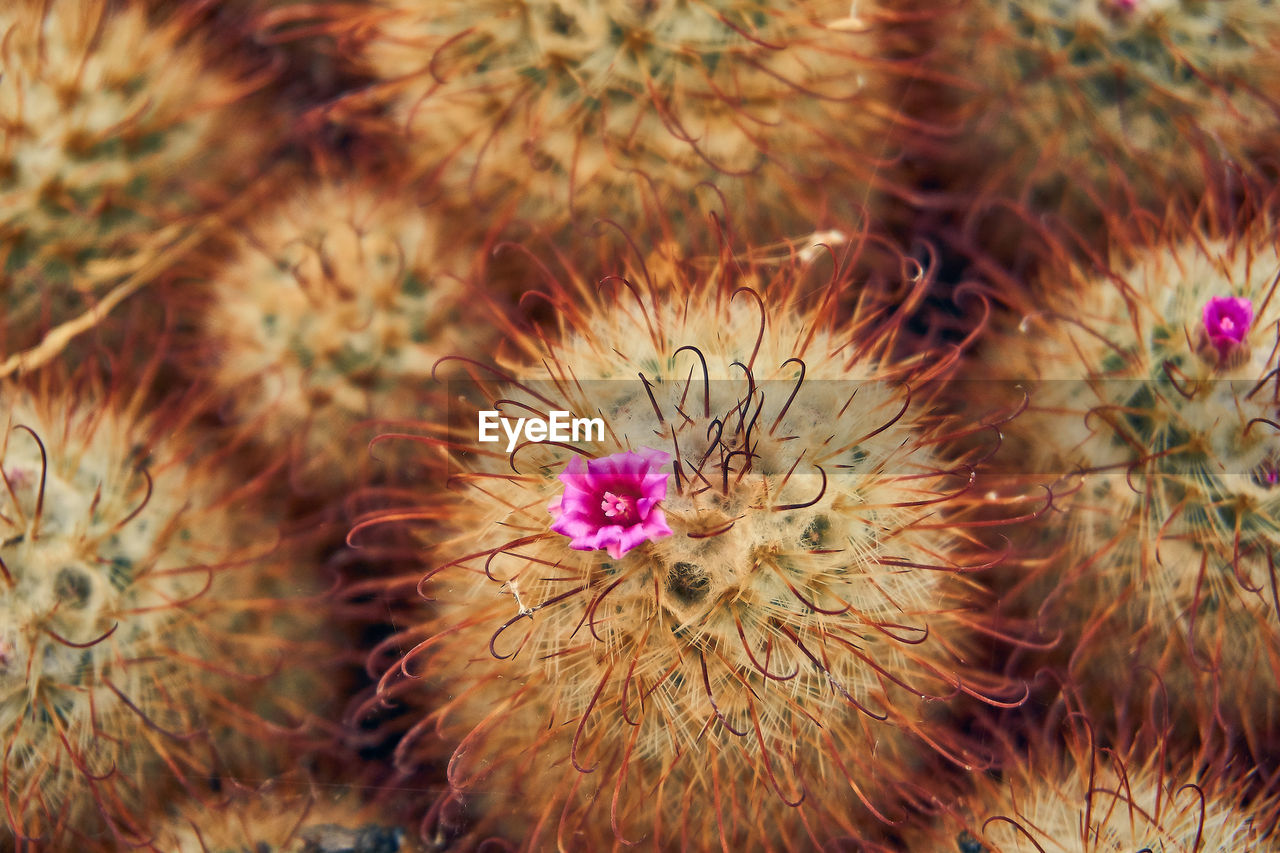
{"x":710,"y":425}
{"x":608,"y":108}
{"x":333,"y":311}
{"x":116,"y":132}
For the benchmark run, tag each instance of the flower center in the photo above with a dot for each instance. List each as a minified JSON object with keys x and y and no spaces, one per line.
{"x":1227,"y":325}
{"x":620,"y":508}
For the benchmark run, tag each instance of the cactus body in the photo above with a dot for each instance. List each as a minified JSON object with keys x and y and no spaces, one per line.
{"x":334,"y":310}
{"x":1164,"y":457}
{"x":773,"y":649}
{"x":1082,"y":105}
{"x":1106,"y":804}
{"x":115,"y":131}
{"x":593,"y":107}
{"x":279,"y":819}
{"x":138,"y":637}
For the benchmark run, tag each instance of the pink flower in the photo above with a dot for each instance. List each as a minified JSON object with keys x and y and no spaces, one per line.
{"x":1226,"y":322}
{"x":612,"y":502}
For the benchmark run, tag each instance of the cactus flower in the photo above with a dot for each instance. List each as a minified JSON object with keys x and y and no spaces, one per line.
{"x":612,"y":502}
{"x":1226,"y":322}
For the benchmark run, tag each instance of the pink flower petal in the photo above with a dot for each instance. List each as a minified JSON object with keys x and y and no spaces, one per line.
{"x":624,"y":487}
{"x":1226,"y":323}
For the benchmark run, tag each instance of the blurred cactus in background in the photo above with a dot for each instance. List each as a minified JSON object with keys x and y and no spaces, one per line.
{"x":1155,"y":389}
{"x":115,"y":131}
{"x":1076,"y":108}
{"x":138,"y":634}
{"x":333,"y":309}
{"x":607,"y":108}
{"x":281,"y":818}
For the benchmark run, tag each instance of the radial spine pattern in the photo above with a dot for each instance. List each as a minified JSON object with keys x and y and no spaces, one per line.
{"x":752,"y":676}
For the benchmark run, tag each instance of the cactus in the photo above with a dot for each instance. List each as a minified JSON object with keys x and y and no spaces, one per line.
{"x":333,"y":310}
{"x":280,"y":819}
{"x":1155,"y":406}
{"x":1103,"y":800}
{"x":775,"y":649}
{"x":1080,"y":104}
{"x":115,"y":130}
{"x":139,"y":634}
{"x":570,"y":106}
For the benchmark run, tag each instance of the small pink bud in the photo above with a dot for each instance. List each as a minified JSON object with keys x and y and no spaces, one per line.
{"x":1226,"y":324}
